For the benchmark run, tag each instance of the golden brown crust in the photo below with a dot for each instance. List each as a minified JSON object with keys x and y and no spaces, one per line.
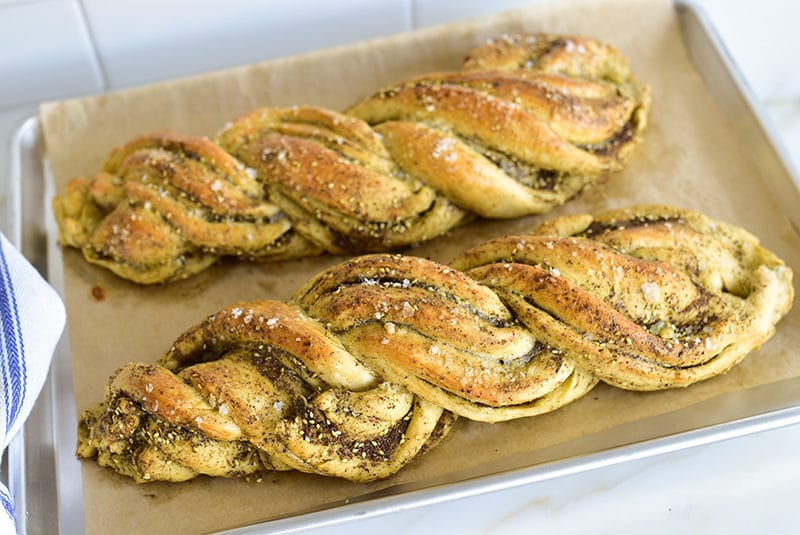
{"x":498,"y":139}
{"x":649,"y":297}
{"x":370,"y":362}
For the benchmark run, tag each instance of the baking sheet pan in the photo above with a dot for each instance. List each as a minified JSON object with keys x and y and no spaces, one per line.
{"x":49,"y":435}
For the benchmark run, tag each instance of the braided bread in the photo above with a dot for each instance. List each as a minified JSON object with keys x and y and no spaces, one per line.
{"x":372,"y":360}
{"x":527,"y":123}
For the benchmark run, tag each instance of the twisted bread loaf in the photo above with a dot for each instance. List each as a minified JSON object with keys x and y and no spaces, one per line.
{"x":527,"y":123}
{"x":369,"y":364}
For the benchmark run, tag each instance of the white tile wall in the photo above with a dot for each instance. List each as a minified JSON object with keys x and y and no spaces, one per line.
{"x":57,"y":48}
{"x":45,"y":52}
{"x":146,"y":40}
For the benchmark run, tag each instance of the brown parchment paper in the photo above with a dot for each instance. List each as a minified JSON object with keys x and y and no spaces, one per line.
{"x":690,"y":157}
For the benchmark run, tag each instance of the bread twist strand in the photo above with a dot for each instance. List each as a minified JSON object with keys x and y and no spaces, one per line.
{"x":369,"y":364}
{"x":498,"y":139}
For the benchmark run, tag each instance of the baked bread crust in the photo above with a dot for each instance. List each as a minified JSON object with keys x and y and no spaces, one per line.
{"x":369,"y":363}
{"x":528,"y":123}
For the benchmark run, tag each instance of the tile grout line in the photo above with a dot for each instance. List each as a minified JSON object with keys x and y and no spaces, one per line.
{"x":412,"y":14}
{"x":101,"y":68}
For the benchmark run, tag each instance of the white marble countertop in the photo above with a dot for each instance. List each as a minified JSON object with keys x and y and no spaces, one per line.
{"x":746,"y":485}
{"x":743,"y":485}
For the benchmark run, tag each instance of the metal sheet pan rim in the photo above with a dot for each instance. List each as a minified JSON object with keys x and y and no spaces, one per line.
{"x":787,"y":197}
{"x":68,"y":511}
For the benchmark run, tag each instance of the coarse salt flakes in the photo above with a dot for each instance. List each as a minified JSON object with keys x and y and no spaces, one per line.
{"x":651,"y":291}
{"x":236,"y":312}
{"x":216,"y":185}
{"x":272,"y":322}
{"x":390,"y":327}
{"x":442,"y":146}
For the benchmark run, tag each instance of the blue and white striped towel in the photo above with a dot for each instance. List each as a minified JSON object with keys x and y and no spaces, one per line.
{"x":31,"y":321}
